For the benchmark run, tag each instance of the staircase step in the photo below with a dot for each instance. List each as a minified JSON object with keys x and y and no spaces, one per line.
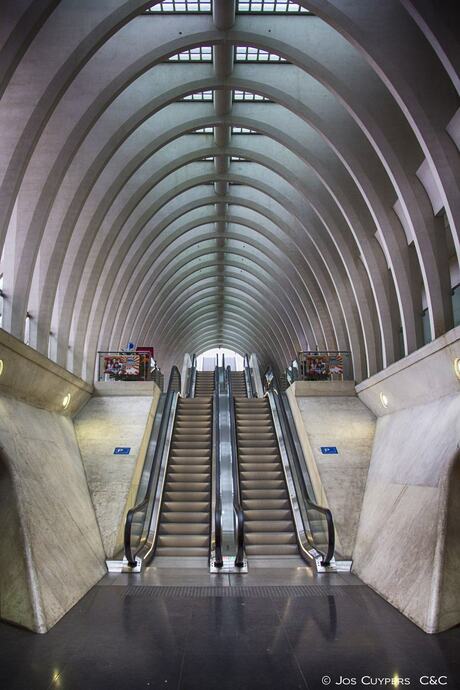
{"x":272,"y":550}
{"x":269,"y":515}
{"x":187,"y":496}
{"x":184,"y":529}
{"x":186,"y":507}
{"x":272,"y":526}
{"x":264,"y":538}
{"x":183,"y":540}
{"x":183,"y":552}
{"x":185,"y":516}
{"x":266,"y":503}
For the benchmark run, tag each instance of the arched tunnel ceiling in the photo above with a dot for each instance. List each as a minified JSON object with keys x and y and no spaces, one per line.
{"x":199,"y":174}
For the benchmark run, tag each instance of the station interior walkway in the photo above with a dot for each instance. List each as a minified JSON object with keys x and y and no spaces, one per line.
{"x":278,"y":180}
{"x":278,"y":629}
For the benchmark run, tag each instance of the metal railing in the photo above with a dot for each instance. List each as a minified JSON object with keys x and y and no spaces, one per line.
{"x":127,"y":366}
{"x":192,"y":378}
{"x":248,"y":377}
{"x":141,"y":513}
{"x":239,"y":514}
{"x":216,"y":536}
{"x":321,"y":365}
{"x":310,"y":512}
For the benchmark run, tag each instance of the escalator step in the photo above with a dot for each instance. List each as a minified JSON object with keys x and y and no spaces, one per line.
{"x":272,"y":550}
{"x":185,"y":530}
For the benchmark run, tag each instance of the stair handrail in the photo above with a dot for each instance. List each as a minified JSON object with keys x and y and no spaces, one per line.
{"x":174,"y":386}
{"x":239,"y":558}
{"x":218,"y":560}
{"x":192,"y":378}
{"x":273,"y":385}
{"x":248,"y":376}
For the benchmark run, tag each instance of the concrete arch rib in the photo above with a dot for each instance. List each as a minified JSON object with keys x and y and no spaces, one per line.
{"x":273,"y":326}
{"x":184,"y":329}
{"x":185,"y":278}
{"x":235,"y":179}
{"x":251,"y":331}
{"x":26,"y":20}
{"x":129,"y":271}
{"x":193,"y":241}
{"x":376,"y":35}
{"x":260,"y":210}
{"x":375,"y":192}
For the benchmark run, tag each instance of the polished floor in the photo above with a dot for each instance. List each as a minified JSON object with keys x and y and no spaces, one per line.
{"x":185,"y":630}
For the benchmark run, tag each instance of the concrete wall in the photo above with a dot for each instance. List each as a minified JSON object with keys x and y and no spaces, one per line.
{"x":118,"y":415}
{"x":330,"y":414}
{"x":408,"y":543}
{"x":34,"y":379}
{"x":51,"y":550}
{"x":50,"y":547}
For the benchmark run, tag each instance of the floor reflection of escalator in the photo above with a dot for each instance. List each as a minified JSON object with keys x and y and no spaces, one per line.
{"x":269,"y":527}
{"x":184,"y":527}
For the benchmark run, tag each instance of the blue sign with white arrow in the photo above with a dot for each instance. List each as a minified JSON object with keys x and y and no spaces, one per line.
{"x":329,"y":450}
{"x":122,"y":451}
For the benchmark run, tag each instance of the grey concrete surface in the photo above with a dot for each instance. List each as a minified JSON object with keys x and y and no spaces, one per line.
{"x":31,"y":377}
{"x":52,"y":552}
{"x":330,"y":414}
{"x":105,"y":423}
{"x":407,"y":546}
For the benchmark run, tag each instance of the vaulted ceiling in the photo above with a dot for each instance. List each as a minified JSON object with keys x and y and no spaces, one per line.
{"x":264,"y":176}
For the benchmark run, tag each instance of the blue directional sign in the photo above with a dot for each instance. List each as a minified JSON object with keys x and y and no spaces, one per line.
{"x":122,"y":451}
{"x":329,"y":450}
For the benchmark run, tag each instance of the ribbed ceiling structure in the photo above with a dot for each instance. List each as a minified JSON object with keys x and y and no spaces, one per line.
{"x":263,"y":176}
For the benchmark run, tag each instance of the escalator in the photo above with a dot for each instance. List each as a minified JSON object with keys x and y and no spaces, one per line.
{"x":204,"y":386}
{"x":174,"y":516}
{"x":185,"y":515}
{"x":269,"y":526}
{"x":226,"y":480}
{"x":281,"y":517}
{"x":239,"y":384}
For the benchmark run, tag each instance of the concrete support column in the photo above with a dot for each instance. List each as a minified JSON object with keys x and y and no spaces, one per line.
{"x":224,"y":18}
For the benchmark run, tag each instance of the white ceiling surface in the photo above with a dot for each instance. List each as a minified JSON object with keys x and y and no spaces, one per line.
{"x":118,"y":223}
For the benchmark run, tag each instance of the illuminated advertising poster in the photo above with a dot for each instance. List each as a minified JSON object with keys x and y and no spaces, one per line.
{"x":122,"y":365}
{"x":317,"y":367}
{"x":336,"y":365}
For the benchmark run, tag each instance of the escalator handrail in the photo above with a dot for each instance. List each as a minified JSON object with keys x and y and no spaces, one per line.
{"x":274,"y":385}
{"x":247,"y":368}
{"x":218,"y":562}
{"x":191,"y":380}
{"x":159,"y":449}
{"x":239,"y":559}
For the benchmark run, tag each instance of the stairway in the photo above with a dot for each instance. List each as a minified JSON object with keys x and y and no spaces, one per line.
{"x":239,"y":384}
{"x":185,"y":514}
{"x":269,"y":527}
{"x":204,"y":386}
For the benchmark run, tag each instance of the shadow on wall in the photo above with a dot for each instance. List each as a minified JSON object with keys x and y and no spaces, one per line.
{"x":50,"y":544}
{"x":15,"y":599}
{"x":408,"y":545}
{"x":449,"y":585}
